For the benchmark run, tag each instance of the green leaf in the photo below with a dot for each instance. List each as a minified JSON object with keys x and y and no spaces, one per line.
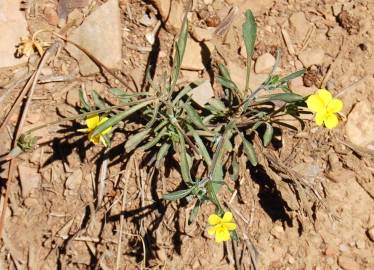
{"x":85,"y":104}
{"x":200,"y":146}
{"x":118,"y":117}
{"x":155,"y":140}
{"x":292,"y":76}
{"x":99,"y":103}
{"x":249,"y":150}
{"x":162,"y":153}
{"x":181,"y":94}
{"x":176,"y":195}
{"x":224,"y":71}
{"x":217,"y":105}
{"x":235,"y":168}
{"x":185,"y":168}
{"x":286,"y":97}
{"x":193,"y":116}
{"x":134,"y":140}
{"x":226,"y":83}
{"x":194,"y":212}
{"x":268,"y":134}
{"x":249,"y":35}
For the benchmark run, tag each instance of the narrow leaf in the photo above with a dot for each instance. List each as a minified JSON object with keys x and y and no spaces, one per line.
{"x":249,"y":35}
{"x":155,"y":140}
{"x":268,"y":135}
{"x":176,"y":195}
{"x":99,"y":103}
{"x":84,"y":100}
{"x":292,"y":76}
{"x":194,"y":212}
{"x":186,"y":175}
{"x":194,"y":116}
{"x":162,"y":153}
{"x":249,"y":150}
{"x":286,"y":97}
{"x":200,"y":146}
{"x":134,"y":140}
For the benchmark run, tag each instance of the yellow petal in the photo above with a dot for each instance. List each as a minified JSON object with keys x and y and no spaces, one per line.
{"x":222,"y":234}
{"x":95,"y":140}
{"x":85,"y":130}
{"x":230,"y":226}
{"x":211,"y":230}
{"x":214,"y":219}
{"x":103,"y":141}
{"x":315,"y":103}
{"x":92,"y":121}
{"x":325,"y":96}
{"x":335,"y":105}
{"x":227,"y":217}
{"x":320,"y":117}
{"x":331,"y":121}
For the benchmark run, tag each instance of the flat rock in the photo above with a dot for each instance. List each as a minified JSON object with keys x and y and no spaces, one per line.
{"x":238,"y":75}
{"x":74,"y":180}
{"x":264,"y":63}
{"x":203,"y":93}
{"x":312,"y":56}
{"x":360,"y":124}
{"x":29,"y":178}
{"x":348,"y":263}
{"x":203,"y":34}
{"x":172,"y":13}
{"x":255,"y":6}
{"x":299,"y":24}
{"x":13,"y":26}
{"x":370,"y":233}
{"x":100,"y":35}
{"x":193,"y":59}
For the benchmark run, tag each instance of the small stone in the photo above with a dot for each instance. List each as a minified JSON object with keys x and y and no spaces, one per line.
{"x":208,"y":2}
{"x":203,"y":34}
{"x":370,"y":233}
{"x":74,"y":180}
{"x":300,"y":24}
{"x":347,"y":263}
{"x":34,"y":116}
{"x":13,"y":27}
{"x":360,"y":244}
{"x":29,"y":178}
{"x":340,"y":175}
{"x":264,"y":63}
{"x":193,"y":59}
{"x":343,"y":247}
{"x":330,"y":251}
{"x":51,"y":16}
{"x":203,"y":93}
{"x":314,"y":56}
{"x":104,"y":23}
{"x":360,"y":124}
{"x":72,"y":97}
{"x":277,"y":231}
{"x":255,"y":6}
{"x":172,"y":13}
{"x":238,"y":74}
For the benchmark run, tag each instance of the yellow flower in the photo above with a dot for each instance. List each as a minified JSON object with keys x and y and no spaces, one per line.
{"x":92,"y":122}
{"x":325,"y":107}
{"x":221,"y":227}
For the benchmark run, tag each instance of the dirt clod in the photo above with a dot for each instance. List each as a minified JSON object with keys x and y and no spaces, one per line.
{"x":348,"y":263}
{"x":348,"y":22}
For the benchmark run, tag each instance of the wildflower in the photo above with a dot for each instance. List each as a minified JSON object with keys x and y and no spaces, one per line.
{"x":221,"y":226}
{"x":326,"y":107}
{"x":92,"y":122}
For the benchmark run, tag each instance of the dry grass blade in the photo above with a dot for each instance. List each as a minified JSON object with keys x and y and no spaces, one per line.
{"x":101,"y":179}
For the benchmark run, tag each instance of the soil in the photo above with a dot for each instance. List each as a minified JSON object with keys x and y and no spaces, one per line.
{"x":52,"y":221}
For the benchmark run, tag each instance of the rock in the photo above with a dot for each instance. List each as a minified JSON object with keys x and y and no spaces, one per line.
{"x":264,"y":63}
{"x":360,"y":244}
{"x":193,"y":59}
{"x":339,"y":175}
{"x":277,"y":231}
{"x":330,"y":251}
{"x":300,"y":25}
{"x":238,"y":75}
{"x":255,"y":6}
{"x":74,"y":180}
{"x":51,"y":16}
{"x":29,"y":178}
{"x":72,"y":97}
{"x":360,"y":124}
{"x":202,"y":34}
{"x":297,"y":86}
{"x":100,"y":35}
{"x":314,"y":56}
{"x":203,"y":93}
{"x":347,"y":263}
{"x":172,"y":13}
{"x":13,"y":26}
{"x":370,"y":233}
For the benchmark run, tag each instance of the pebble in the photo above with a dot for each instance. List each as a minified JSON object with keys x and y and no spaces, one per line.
{"x":360,"y":244}
{"x":13,"y":26}
{"x":193,"y":59}
{"x":105,"y":23}
{"x":74,"y":181}
{"x":203,"y":34}
{"x":29,"y":178}
{"x":348,"y":263}
{"x":370,"y":233}
{"x":264,"y":63}
{"x":343,"y":247}
{"x":312,"y":56}
{"x":300,"y":24}
{"x":255,"y":6}
{"x":360,"y":124}
{"x":72,"y":97}
{"x":330,"y":251}
{"x":203,"y":93}
{"x":171,"y":17}
{"x":277,"y":231}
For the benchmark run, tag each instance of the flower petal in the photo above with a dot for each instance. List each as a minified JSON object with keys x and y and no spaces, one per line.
{"x":104,"y":119}
{"x":222,"y":234}
{"x":331,"y":120}
{"x":335,"y":105}
{"x":227,"y":217}
{"x":92,"y":121}
{"x":212,"y":230}
{"x":214,"y":219}
{"x":230,"y":226}
{"x":320,"y":117}
{"x":95,"y":140}
{"x":315,"y":103}
{"x":325,"y":96}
